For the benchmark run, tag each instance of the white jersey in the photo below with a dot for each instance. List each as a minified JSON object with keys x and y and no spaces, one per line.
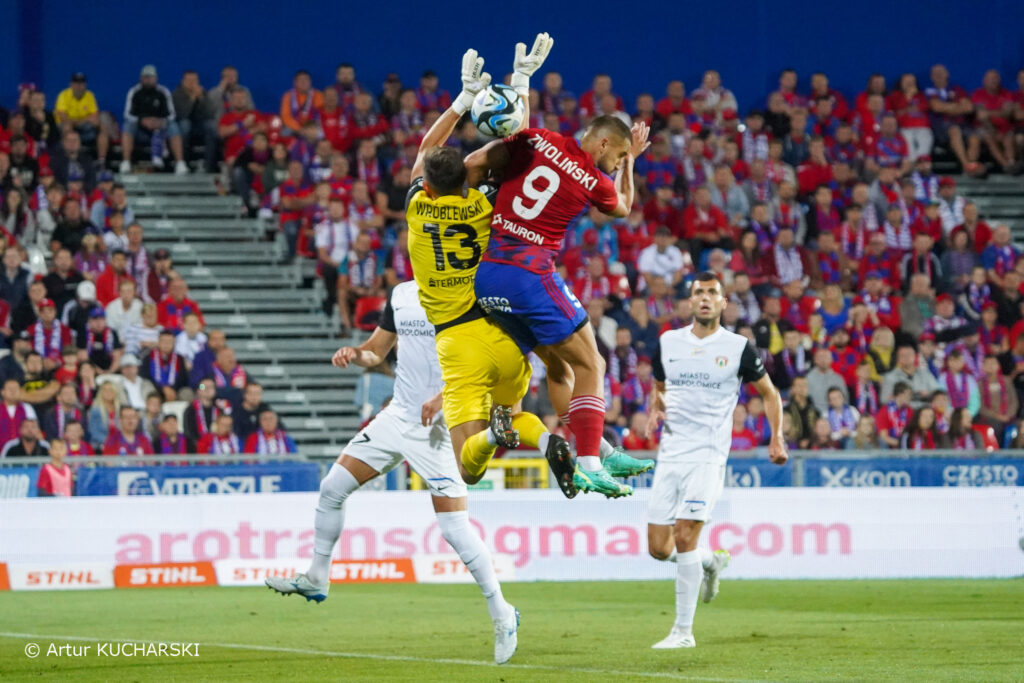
{"x":702,"y":384}
{"x":418,"y":375}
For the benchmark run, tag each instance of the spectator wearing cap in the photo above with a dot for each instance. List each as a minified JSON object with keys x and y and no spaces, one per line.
{"x":170,"y":440}
{"x":14,"y":276}
{"x":115,"y":200}
{"x":149,"y":113}
{"x":196,"y":113}
{"x":99,"y":344}
{"x":69,"y":159}
{"x":926,"y":183}
{"x":63,"y":280}
{"x":27,"y":312}
{"x":166,"y":368}
{"x":136,"y":387}
{"x":76,"y":110}
{"x":75,"y":313}
{"x":173,"y":308}
{"x":49,"y":335}
{"x":269,"y":439}
{"x":391,"y":93}
{"x":108,"y":284}
{"x":125,"y":310}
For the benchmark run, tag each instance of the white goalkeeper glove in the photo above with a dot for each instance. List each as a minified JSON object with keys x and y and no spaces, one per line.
{"x":474,"y":79}
{"x":526,"y":64}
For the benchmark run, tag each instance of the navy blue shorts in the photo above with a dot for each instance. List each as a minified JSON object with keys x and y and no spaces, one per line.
{"x":535,"y":309}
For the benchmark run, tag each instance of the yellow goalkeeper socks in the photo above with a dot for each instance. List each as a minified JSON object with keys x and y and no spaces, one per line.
{"x":530,"y":429}
{"x":476,"y":453}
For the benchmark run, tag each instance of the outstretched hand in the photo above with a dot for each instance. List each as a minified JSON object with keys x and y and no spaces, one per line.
{"x":641,"y":131}
{"x":528,"y":63}
{"x":474,"y":78}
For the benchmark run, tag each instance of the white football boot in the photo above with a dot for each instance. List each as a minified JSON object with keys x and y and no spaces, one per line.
{"x":676,"y":639}
{"x":299,"y":584}
{"x":709,"y":585}
{"x":506,"y":638}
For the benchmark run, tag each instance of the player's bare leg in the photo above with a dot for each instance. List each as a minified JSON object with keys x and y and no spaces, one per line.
{"x":561,"y":380}
{"x":453,"y":520}
{"x":697,"y":574}
{"x":346,"y":475}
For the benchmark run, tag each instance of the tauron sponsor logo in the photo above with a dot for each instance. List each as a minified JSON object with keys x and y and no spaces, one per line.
{"x":844,"y":478}
{"x":500,"y":223}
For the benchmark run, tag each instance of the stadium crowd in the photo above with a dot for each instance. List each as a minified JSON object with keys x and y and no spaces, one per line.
{"x":887,"y":310}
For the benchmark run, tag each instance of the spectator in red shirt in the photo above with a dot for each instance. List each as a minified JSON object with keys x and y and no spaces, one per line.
{"x":238,"y":125}
{"x":296,"y":195}
{"x":634,"y":439}
{"x":300,"y":104}
{"x":890,"y":148}
{"x":663,"y":209}
{"x":978,"y":231}
{"x":911,"y":108}
{"x":55,"y":477}
{"x":820,"y":88}
{"x":221,"y":440}
{"x":108,"y":284}
{"x":173,"y":308}
{"x":787,"y":89}
{"x":269,"y":439}
{"x":705,"y":225}
{"x":878,"y":261}
{"x":335,"y":122}
{"x":815,"y":171}
{"x":127,"y":439}
{"x":742,"y":438}
{"x":867,"y":121}
{"x":591,"y":103}
{"x":674,"y":102}
{"x":875,"y":86}
{"x":994,"y":107}
{"x":577,"y":259}
{"x":949,"y":106}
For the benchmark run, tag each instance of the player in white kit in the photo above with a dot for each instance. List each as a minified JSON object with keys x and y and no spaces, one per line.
{"x":410,"y":428}
{"x":698,"y":371}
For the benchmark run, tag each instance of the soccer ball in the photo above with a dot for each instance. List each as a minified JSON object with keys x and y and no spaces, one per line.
{"x":497,"y":111}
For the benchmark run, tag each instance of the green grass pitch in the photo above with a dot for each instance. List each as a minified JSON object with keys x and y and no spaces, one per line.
{"x":755,"y":630}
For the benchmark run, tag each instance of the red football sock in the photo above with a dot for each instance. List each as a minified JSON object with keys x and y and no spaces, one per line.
{"x":586,"y":420}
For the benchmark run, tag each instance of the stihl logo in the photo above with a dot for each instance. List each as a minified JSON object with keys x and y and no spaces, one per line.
{"x":63,"y":578}
{"x":184,"y":574}
{"x":387,"y":571}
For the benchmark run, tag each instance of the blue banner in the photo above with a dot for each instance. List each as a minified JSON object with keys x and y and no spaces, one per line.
{"x":18,"y":482}
{"x":740,"y":473}
{"x":197,"y":479}
{"x":894,"y":472}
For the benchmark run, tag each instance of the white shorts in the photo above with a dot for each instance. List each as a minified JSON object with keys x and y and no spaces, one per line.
{"x":388,"y":440}
{"x":684,"y":490}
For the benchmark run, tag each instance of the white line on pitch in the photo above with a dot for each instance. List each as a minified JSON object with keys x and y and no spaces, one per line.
{"x":386,"y":658}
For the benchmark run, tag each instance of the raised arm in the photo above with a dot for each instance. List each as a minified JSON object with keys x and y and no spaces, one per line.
{"x":474,"y":79}
{"x":493,"y":157}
